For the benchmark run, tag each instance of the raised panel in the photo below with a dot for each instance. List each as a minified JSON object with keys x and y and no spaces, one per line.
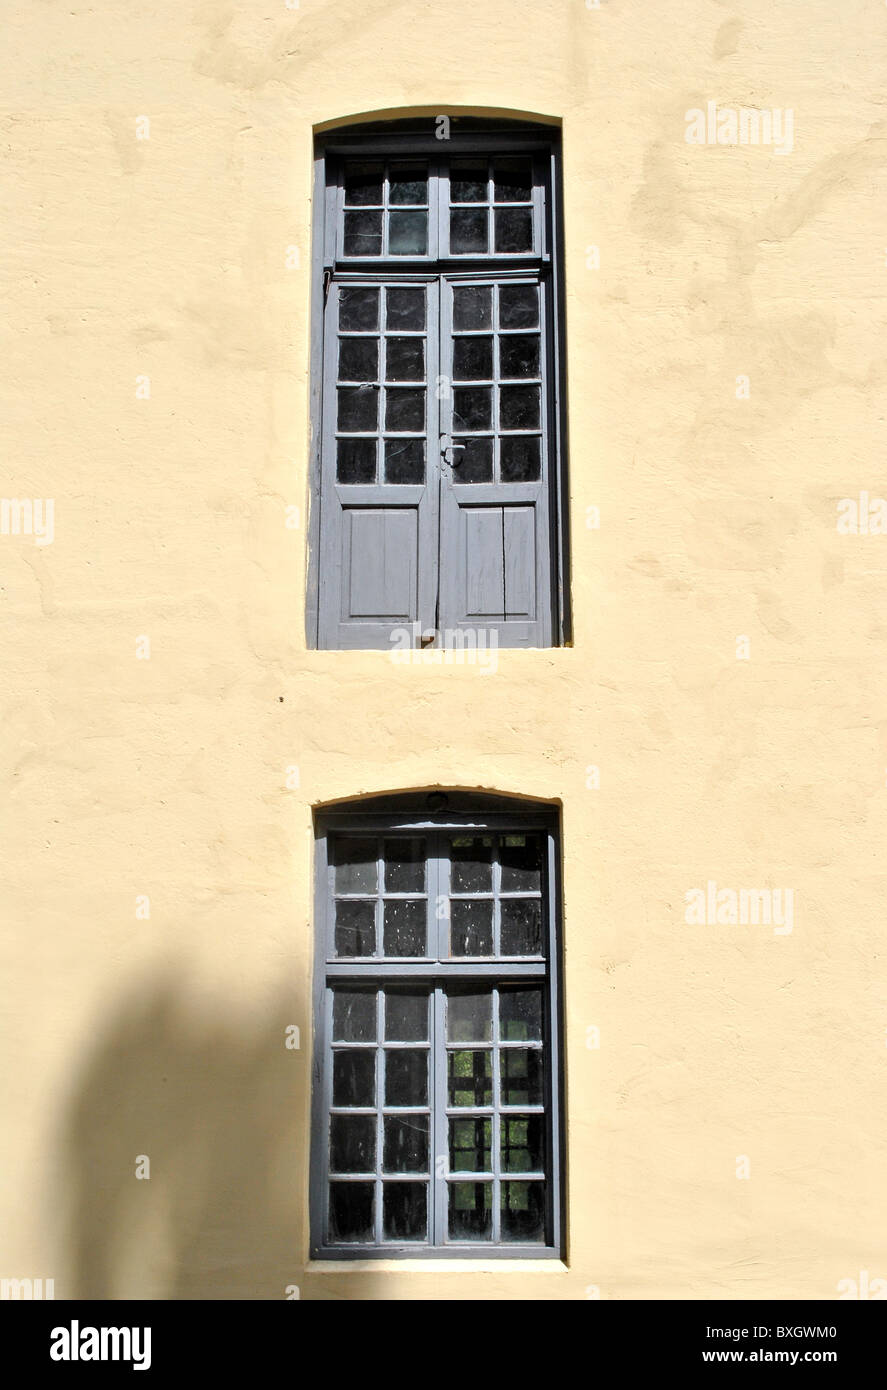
{"x":481,"y":562}
{"x":519,"y":533}
{"x":379,"y":564}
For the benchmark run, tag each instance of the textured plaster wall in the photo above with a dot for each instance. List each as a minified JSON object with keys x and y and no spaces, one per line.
{"x":166,"y":258}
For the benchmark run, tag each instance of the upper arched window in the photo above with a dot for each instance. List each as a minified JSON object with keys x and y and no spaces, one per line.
{"x":438,"y":491}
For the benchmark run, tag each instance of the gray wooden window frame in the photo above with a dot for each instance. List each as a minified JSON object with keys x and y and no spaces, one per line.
{"x":417,"y":139}
{"x":476,"y":814}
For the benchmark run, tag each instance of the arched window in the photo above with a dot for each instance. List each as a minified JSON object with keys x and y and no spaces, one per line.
{"x":438,"y":476}
{"x":436,"y":1107}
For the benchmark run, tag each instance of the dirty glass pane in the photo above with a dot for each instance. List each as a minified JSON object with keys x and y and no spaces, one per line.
{"x":363,"y":183}
{"x":354,"y":1077}
{"x":520,"y":1072}
{"x":470,"y":1145}
{"x":406,"y":1015}
{"x":358,"y":309}
{"x":404,"y":461}
{"x":468,"y":230}
{"x":352,"y":1143}
{"x":471,"y":859}
{"x":355,"y":461}
{"x":521,"y":927}
{"x":520,"y":1015}
{"x":354,"y":1015}
{"x":522,"y":1212}
{"x":405,"y":1148}
{"x":405,"y":1210}
{"x":471,"y":927}
{"x":351,"y":1211}
{"x":406,"y":1076}
{"x":470,"y":1078}
{"x":470,"y":1210}
{"x":469,"y":1016}
{"x":404,"y":928}
{"x":472,"y":307}
{"x":363,"y":233}
{"x":520,"y":458}
{"x":355,"y":933}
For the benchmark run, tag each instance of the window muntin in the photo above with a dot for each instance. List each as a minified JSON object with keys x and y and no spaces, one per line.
{"x":436,"y":1108}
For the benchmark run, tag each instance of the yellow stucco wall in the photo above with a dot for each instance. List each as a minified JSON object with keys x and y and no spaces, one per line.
{"x":166,"y":257}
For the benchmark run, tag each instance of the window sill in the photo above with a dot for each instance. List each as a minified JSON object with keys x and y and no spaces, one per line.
{"x":436,"y":1266}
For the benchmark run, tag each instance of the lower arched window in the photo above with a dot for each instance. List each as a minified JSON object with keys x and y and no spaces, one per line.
{"x":436,"y":1100}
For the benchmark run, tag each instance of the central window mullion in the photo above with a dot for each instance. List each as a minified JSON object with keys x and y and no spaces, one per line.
{"x":440,"y":1157}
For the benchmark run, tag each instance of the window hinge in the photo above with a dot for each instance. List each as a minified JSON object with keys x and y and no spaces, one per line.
{"x":327,"y":277}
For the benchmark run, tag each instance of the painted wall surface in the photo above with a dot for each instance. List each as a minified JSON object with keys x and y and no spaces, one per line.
{"x":725,"y":330}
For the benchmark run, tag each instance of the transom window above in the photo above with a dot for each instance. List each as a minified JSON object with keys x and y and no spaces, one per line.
{"x":436,"y":1105}
{"x":439,"y":453}
{"x":462,"y":206}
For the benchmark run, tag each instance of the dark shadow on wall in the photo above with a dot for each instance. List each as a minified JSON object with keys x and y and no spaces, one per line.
{"x":218,"y":1105}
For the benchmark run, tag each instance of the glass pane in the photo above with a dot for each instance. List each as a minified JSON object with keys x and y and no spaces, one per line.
{"x":520,"y":1072}
{"x":473,"y":408}
{"x":404,"y":927}
{"x":471,"y":927}
{"x":354,"y":1076}
{"x":406,"y":1016}
{"x":471,"y":1210}
{"x":521,"y":859}
{"x":472,"y":359}
{"x":470,"y":1078}
{"x":355,"y":928}
{"x":470,"y":1017}
{"x":405,"y":359}
{"x":468,"y":231}
{"x":406,"y":1077}
{"x":405,"y":409}
{"x":405,"y":309}
{"x":358,"y":359}
{"x":404,"y":865}
{"x":351,"y":1211}
{"x":519,"y":355}
{"x":363,"y":184}
{"x":404,"y":461}
{"x":358,"y":310}
{"x":405,"y":1210}
{"x":520,"y":458}
{"x":520,"y":1015}
{"x":468,"y":181}
{"x":354,"y":1015}
{"x":474,"y":461}
{"x":513,"y":230}
{"x":518,"y":306}
{"x":407,"y":182}
{"x":513,"y":179}
{"x":356,"y":461}
{"x":472,"y":307}
{"x":358,"y":408}
{"x":406,"y":1144}
{"x":352,"y":1143}
{"x":355,"y":863}
{"x":471,"y":864}
{"x":522,"y":1143}
{"x":363,"y":233}
{"x":470,"y":1145}
{"x":521,"y":927}
{"x":522,"y":1208}
{"x":407,"y":233}
{"x":519,"y":407}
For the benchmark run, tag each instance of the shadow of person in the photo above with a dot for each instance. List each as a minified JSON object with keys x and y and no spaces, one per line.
{"x":217,"y":1106}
